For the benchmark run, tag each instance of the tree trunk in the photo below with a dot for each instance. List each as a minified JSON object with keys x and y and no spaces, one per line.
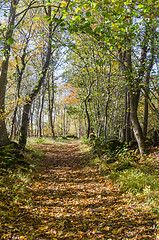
{"x":19,"y":80}
{"x":40,"y":113}
{"x":128,"y":122}
{"x":88,"y":119}
{"x":31,"y":120}
{"x":13,"y":122}
{"x":4,"y":71}
{"x":64,"y":121}
{"x":135,"y":123}
{"x":24,"y":125}
{"x":145,"y":121}
{"x":123,"y":130}
{"x":107,"y":101}
{"x":79,"y":127}
{"x":134,"y":98}
{"x":147,"y":89}
{"x":106,"y":117}
{"x":51,"y":105}
{"x":35,"y":91}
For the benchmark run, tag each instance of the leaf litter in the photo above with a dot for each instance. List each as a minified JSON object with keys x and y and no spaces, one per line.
{"x":71,"y":199}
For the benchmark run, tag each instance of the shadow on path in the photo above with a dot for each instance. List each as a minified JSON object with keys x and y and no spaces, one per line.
{"x":72,"y":200}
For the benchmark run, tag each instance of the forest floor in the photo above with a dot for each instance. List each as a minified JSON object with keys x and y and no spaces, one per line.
{"x":69,"y":198}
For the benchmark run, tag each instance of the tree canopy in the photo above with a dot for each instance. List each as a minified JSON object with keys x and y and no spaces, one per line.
{"x":103,"y":53}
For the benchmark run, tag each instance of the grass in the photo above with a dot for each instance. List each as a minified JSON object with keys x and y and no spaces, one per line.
{"x":15,"y":184}
{"x":48,"y":140}
{"x":137,"y":181}
{"x":140,"y":186}
{"x":137,"y":178}
{"x":15,"y":179}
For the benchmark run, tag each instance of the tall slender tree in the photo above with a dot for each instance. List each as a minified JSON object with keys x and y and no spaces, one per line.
{"x":4,"y":70}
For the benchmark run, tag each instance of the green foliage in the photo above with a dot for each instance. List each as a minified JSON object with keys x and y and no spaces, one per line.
{"x":40,"y":140}
{"x":133,"y":144}
{"x":72,"y":136}
{"x":10,"y":41}
{"x":85,"y":140}
{"x":64,"y":137}
{"x":97,"y":144}
{"x":15,"y":191}
{"x":112,"y":144}
{"x":135,"y":180}
{"x":123,"y":165}
{"x":34,"y":152}
{"x":138,"y":180}
{"x":11,"y":157}
{"x":102,"y":146}
{"x":73,"y":110}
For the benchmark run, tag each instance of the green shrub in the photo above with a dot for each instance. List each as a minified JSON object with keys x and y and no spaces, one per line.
{"x":64,"y":137}
{"x":40,"y":140}
{"x":112,"y":144}
{"x":85,"y":140}
{"x":123,"y":166}
{"x":133,"y":144}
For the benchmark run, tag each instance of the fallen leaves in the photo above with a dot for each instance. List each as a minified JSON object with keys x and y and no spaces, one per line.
{"x":71,"y":201}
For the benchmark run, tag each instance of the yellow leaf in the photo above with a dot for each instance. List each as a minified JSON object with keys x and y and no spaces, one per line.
{"x":63,"y":4}
{"x":114,"y":231}
{"x":106,"y":228}
{"x":43,"y":227}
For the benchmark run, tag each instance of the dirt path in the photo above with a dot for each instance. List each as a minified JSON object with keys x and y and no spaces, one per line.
{"x":71,"y":200}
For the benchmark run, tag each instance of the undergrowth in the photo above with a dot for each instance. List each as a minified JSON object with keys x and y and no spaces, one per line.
{"x":16,"y":174}
{"x":137,"y":177}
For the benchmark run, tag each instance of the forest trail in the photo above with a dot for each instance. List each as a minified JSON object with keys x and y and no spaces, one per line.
{"x":72,"y":200}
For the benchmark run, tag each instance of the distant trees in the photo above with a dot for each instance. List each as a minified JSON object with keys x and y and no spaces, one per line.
{"x":108,"y":53}
{"x":126,"y":31}
{"x":49,"y":18}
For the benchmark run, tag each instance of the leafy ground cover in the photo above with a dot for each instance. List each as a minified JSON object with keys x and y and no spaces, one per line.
{"x":69,"y":197}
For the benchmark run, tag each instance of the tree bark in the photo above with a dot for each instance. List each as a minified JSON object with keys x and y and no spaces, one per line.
{"x":51,"y":104}
{"x":147,"y":90}
{"x":106,"y":117}
{"x":24,"y":125}
{"x":33,"y":94}
{"x":64,"y":121}
{"x":134,"y":98}
{"x":146,"y":110}
{"x":31,"y":120}
{"x":135,"y":123}
{"x":40,"y":113}
{"x":128,"y":121}
{"x":88,"y":119}
{"x":4,"y":72}
{"x":19,"y":80}
{"x":107,"y":102}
